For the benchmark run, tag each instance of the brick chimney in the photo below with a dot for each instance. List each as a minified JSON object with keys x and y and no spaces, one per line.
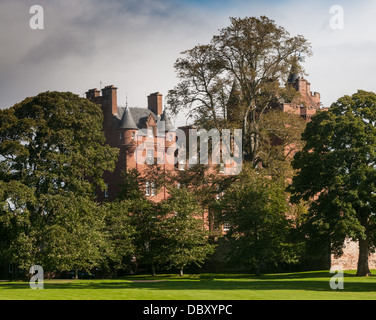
{"x":155,"y":103}
{"x":93,"y":93}
{"x":109,"y":98}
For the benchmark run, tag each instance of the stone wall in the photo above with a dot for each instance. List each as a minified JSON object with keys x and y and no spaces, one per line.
{"x":349,"y":259}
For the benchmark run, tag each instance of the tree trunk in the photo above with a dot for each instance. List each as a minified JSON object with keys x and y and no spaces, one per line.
{"x":153,"y":270}
{"x":76,"y":274}
{"x":244,"y":137}
{"x":258,"y":267}
{"x":181,"y":271}
{"x":363,"y":268}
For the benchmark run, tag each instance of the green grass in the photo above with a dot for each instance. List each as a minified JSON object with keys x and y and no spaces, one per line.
{"x":287,"y":286}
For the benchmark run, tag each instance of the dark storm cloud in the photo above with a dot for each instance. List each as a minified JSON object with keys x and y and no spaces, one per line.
{"x":133,"y":44}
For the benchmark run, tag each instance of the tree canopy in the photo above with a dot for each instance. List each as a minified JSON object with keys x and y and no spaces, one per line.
{"x":52,"y":157}
{"x":231,"y":81}
{"x":337,"y":172}
{"x":255,"y":209}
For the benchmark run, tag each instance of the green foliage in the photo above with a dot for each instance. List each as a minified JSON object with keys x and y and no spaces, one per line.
{"x":51,"y":142}
{"x":119,"y":233}
{"x":255,"y":207}
{"x":169,"y":234}
{"x":280,"y":138}
{"x":184,"y":227}
{"x":52,"y":157}
{"x":132,"y":185}
{"x":73,"y":237}
{"x":231,"y":81}
{"x":18,"y":236}
{"x":337,"y":170}
{"x":149,"y":235}
{"x":202,"y":181}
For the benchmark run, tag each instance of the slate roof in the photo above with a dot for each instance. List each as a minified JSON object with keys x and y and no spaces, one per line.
{"x":135,"y":118}
{"x":127,"y":121}
{"x":168,"y":124}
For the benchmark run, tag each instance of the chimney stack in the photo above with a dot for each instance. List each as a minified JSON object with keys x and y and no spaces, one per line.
{"x":93,"y":93}
{"x":155,"y":103}
{"x":109,"y":96}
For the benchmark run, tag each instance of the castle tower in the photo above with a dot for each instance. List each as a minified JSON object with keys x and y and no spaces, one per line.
{"x":127,"y":128}
{"x":306,"y":104}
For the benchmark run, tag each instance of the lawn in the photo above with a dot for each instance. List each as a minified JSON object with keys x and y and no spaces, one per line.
{"x":283,"y":286}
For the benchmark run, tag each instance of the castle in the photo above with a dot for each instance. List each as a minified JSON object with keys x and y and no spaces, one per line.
{"x":121,"y":125}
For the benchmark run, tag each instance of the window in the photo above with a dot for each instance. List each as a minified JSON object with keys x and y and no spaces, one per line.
{"x":226,"y":226}
{"x":133,"y":135}
{"x":170,"y":137}
{"x":150,"y":156}
{"x":147,"y":188}
{"x":219,"y":194}
{"x":120,"y":136}
{"x":150,"y":189}
{"x":106,"y":191}
{"x":150,"y":132}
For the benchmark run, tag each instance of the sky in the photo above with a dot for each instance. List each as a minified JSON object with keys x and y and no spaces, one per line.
{"x":133,"y":44}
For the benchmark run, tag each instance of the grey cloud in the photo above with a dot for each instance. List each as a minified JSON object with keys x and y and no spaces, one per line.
{"x":134,"y":43}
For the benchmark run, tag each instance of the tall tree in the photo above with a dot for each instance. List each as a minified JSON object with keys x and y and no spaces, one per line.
{"x":119,"y":235}
{"x":53,"y":146}
{"x":231,"y":81}
{"x":184,"y":226}
{"x":337,"y":172}
{"x":18,"y":236}
{"x":73,"y":238}
{"x":149,"y":236}
{"x":255,"y":208}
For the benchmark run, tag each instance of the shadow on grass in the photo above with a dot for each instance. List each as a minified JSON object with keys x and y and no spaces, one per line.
{"x":291,"y":281}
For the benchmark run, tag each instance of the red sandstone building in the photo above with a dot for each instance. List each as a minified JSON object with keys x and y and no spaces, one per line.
{"x":308,"y":103}
{"x":121,"y":125}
